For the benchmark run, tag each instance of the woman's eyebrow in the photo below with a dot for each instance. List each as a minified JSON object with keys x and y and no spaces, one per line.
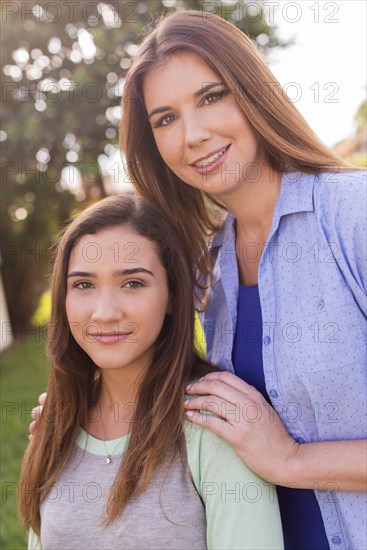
{"x":159,"y":110}
{"x":204,"y":88}
{"x":116,"y":273}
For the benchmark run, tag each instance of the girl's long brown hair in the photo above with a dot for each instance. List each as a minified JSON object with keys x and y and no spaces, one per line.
{"x":158,"y":417}
{"x":283,"y":133}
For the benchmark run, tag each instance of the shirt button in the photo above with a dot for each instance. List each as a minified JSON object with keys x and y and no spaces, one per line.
{"x":267,"y":340}
{"x":273,"y":393}
{"x":336,"y":540}
{"x":320,"y":304}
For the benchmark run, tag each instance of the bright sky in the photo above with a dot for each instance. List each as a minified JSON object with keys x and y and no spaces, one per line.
{"x":327,"y":63}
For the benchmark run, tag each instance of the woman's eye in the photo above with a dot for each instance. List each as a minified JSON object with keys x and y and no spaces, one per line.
{"x":213,"y":97}
{"x":83,"y":285}
{"x":164,"y":121}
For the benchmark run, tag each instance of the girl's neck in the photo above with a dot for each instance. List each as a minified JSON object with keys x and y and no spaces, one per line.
{"x":112,"y":415}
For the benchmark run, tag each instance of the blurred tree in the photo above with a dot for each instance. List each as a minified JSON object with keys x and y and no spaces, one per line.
{"x":64,"y":65}
{"x":353,"y":148}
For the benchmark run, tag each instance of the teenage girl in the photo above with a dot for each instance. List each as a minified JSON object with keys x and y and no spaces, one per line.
{"x":113,"y":463}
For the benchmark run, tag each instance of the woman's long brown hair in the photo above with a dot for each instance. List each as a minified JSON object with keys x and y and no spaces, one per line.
{"x":158,"y":417}
{"x":285,"y":136}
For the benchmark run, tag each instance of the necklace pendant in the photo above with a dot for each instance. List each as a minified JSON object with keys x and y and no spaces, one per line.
{"x":108,"y":459}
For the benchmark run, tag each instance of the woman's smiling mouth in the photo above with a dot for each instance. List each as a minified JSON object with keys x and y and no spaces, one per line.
{"x":205,"y":161}
{"x":212,"y":161}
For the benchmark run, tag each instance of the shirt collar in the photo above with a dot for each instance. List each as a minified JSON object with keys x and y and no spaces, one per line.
{"x":296,"y":195}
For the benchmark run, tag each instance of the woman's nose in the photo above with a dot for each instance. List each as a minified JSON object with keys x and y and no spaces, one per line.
{"x":196,"y":131}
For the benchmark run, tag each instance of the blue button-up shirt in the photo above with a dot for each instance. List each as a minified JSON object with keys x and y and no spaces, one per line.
{"x":312,"y":286}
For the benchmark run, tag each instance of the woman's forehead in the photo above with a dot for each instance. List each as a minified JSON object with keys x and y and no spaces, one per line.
{"x":184,"y":72}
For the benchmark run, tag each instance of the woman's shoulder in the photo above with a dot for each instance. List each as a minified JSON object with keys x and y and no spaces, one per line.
{"x":336,"y":185}
{"x":341,"y":196}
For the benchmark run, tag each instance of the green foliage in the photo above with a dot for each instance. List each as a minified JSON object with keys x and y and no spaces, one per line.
{"x":361,"y":116}
{"x":24,"y":373}
{"x":43,"y":312}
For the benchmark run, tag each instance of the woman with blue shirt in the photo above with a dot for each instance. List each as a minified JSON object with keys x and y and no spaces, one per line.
{"x":214,"y":144}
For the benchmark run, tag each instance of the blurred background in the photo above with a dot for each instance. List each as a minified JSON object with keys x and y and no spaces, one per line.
{"x":62,"y":67}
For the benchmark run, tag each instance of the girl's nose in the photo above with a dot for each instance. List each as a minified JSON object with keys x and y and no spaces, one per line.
{"x":107,"y":309}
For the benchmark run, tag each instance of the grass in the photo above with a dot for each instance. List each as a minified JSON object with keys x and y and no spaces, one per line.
{"x":24,"y":373}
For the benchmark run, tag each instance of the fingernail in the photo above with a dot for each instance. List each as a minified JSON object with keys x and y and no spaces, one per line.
{"x":189,"y":386}
{"x":189,"y":413}
{"x":186,"y":402}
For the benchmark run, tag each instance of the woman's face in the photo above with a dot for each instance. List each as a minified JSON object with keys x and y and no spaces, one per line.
{"x":200,"y":131}
{"x":117,"y":298}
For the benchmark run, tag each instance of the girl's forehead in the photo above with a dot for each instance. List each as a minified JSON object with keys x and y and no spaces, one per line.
{"x":110,"y":233}
{"x":120,"y":244}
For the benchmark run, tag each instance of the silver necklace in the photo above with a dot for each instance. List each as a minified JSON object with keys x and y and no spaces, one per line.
{"x":108,"y":455}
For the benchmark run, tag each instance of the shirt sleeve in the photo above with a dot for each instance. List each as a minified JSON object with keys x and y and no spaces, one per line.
{"x":34,"y":542}
{"x":241,"y":509}
{"x":341,"y":201}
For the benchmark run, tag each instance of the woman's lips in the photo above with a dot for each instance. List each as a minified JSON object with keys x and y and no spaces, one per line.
{"x":214,"y":164}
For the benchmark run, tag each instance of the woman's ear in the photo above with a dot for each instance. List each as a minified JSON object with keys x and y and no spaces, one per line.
{"x":169,"y":309}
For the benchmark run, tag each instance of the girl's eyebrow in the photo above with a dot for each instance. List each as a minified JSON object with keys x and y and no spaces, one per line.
{"x":204,"y":88}
{"x":116,"y":273}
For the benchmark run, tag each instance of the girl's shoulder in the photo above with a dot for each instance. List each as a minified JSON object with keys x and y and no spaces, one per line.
{"x":210,"y":455}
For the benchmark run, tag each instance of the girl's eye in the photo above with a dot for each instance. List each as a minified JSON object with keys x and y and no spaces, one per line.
{"x":164,"y":121}
{"x":213,"y":97}
{"x":83,"y":285}
{"x":133,"y":284}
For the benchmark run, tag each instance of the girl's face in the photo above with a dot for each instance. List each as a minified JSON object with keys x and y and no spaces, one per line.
{"x":117,"y":298}
{"x":200,"y":131}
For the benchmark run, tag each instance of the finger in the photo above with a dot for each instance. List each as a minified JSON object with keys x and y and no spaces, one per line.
{"x":217,"y":388}
{"x":36,"y":412}
{"x":211,"y":404}
{"x":230,"y":379}
{"x":42,"y":398}
{"x":33,"y":428}
{"x":214,"y":424}
{"x":233,"y":413}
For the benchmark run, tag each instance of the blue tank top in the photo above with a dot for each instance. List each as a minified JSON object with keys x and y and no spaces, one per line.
{"x":302,"y":523}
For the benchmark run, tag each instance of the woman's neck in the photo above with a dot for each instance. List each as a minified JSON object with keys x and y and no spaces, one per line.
{"x":253,"y":203}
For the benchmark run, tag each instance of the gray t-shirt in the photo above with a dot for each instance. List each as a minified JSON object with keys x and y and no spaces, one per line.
{"x":212,"y":502}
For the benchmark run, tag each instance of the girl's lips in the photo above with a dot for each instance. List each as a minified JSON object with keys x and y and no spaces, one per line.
{"x":214,"y":165}
{"x":110,"y":338}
